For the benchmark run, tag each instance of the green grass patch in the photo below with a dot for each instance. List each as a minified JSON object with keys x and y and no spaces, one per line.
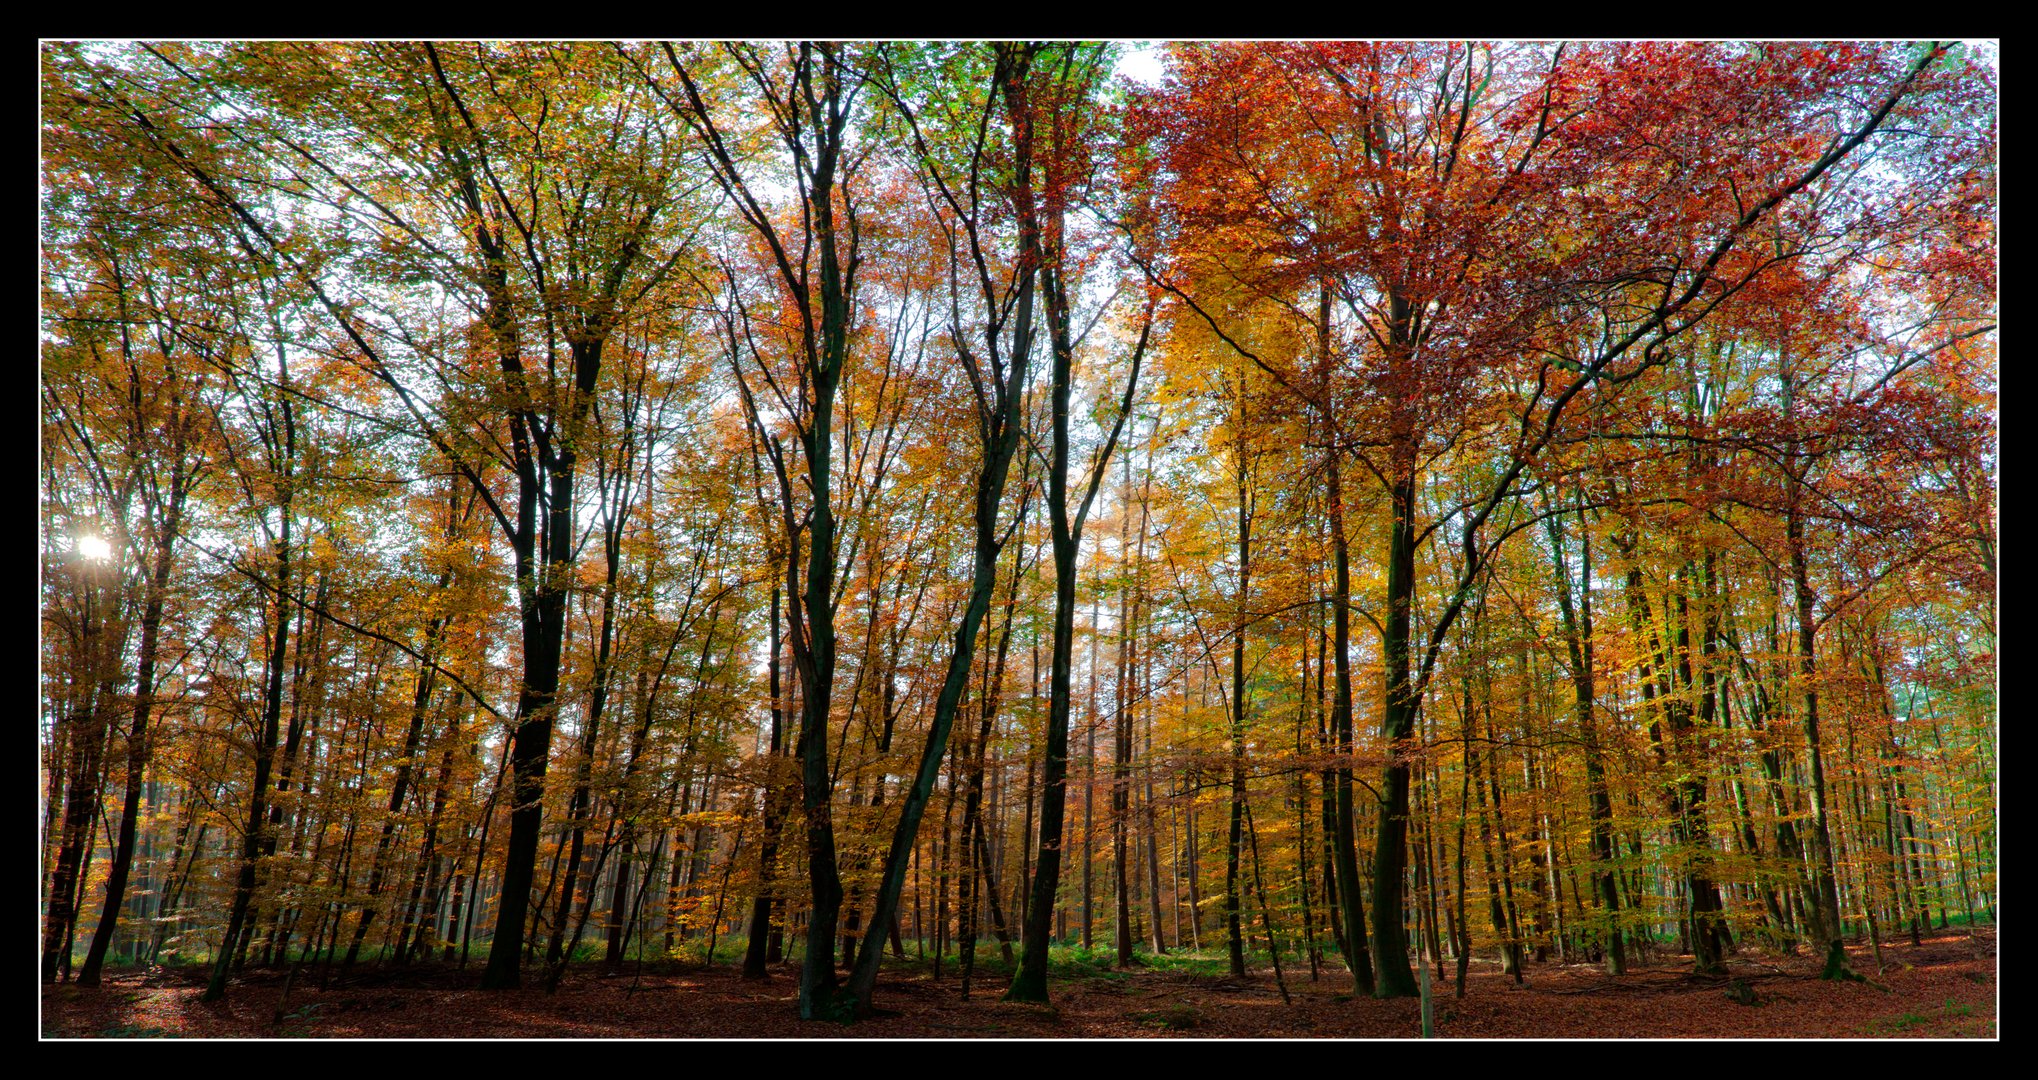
{"x":1948,"y":1011}
{"x":1176,"y":1018}
{"x":1906,"y":1021}
{"x":1212,"y":965}
{"x":1076,"y":962}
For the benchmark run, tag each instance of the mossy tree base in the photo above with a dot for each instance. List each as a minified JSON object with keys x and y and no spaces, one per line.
{"x":1390,"y":981}
{"x":829,"y":1003}
{"x":1836,"y":965}
{"x":1028,"y":987}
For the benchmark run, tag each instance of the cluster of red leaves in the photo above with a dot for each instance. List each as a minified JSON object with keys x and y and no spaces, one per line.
{"x":1945,"y":988}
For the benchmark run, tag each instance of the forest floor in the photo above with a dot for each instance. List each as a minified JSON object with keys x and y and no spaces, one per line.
{"x":1944,"y":988}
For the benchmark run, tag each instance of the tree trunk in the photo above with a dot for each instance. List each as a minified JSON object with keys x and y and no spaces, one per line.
{"x":754,"y":956}
{"x":1578,"y":637}
{"x":1345,"y":834}
{"x":265,"y":752}
{"x":144,"y":694}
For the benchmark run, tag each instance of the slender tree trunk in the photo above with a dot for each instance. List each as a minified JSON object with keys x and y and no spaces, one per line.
{"x":144,"y":693}
{"x":85,"y":732}
{"x":1578,"y":638}
{"x":577,"y":815}
{"x":1345,"y":835}
{"x":265,"y":752}
{"x":754,"y":956}
{"x":1233,"y":934}
{"x":1002,"y":430}
{"x":1029,"y":983}
{"x":1396,"y":978}
{"x":1826,"y":924}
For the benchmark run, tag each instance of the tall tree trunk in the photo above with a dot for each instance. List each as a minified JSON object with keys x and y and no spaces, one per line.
{"x":1390,"y":849}
{"x":1121,"y":749}
{"x":1827,"y":930}
{"x":144,"y":695}
{"x":577,"y":815}
{"x":774,"y":810}
{"x":1029,"y":983}
{"x":377,"y":865}
{"x":978,"y":856}
{"x":1397,"y":725}
{"x":1345,"y":846}
{"x":265,"y":753}
{"x":272,"y":707}
{"x":1578,"y":637}
{"x":1233,"y":936}
{"x":544,"y":564}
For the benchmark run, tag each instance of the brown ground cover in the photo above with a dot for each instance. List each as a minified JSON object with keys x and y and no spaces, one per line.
{"x":1944,"y":988}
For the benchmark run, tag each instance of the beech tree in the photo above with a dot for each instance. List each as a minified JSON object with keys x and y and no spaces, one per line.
{"x":1449,"y":160}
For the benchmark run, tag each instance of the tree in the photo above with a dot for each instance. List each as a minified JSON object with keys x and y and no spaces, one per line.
{"x":1064,"y":178}
{"x":999,"y":381}
{"x":110,"y":298}
{"x":1416,"y":177}
{"x":809,"y":99}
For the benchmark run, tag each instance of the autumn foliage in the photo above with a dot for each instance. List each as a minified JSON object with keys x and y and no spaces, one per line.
{"x":1351,"y":509}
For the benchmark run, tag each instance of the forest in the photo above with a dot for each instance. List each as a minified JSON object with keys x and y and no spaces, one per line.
{"x":869,"y":532}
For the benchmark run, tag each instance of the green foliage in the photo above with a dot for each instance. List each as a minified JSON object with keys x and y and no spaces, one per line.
{"x":1205,"y":964}
{"x":692,"y":951}
{"x":1907,"y":1020}
{"x":1174,"y":1018}
{"x":1948,"y":1011}
{"x":1076,"y":962}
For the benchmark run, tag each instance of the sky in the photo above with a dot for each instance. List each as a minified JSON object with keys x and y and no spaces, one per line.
{"x":1141,"y":63}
